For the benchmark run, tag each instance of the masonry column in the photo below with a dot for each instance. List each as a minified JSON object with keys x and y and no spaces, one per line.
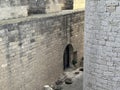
{"x":102,"y":45}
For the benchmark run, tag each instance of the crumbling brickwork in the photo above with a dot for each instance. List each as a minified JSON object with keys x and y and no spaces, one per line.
{"x":102,"y":45}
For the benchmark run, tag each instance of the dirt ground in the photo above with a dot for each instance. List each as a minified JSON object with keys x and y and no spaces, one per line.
{"x":77,"y":80}
{"x":74,"y":81}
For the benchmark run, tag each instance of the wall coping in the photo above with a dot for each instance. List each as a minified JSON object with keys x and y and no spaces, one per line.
{"x":40,"y":16}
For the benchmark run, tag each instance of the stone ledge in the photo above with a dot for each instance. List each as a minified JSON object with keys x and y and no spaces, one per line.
{"x":40,"y":16}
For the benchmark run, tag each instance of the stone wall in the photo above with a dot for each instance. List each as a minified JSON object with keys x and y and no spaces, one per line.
{"x":21,"y":8}
{"x":13,"y":9}
{"x":102,"y":45}
{"x":45,"y":6}
{"x":36,"y":6}
{"x":32,"y":48}
{"x":68,"y":4}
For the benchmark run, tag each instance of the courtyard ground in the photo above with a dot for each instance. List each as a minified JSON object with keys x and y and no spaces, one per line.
{"x":77,"y":79}
{"x":70,"y":80}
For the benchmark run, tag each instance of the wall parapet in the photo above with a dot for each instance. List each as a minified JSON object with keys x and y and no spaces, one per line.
{"x":41,"y":16}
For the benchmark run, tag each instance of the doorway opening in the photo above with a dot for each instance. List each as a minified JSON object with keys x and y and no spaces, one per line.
{"x":68,"y":56}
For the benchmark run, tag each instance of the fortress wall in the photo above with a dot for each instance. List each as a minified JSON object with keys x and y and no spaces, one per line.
{"x":32,"y":48}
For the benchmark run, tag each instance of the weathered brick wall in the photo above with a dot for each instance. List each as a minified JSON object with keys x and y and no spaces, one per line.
{"x":13,"y":9}
{"x":32,"y":48}
{"x":102,"y":45}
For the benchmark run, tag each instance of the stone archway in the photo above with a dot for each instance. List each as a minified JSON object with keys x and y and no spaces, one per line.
{"x":68,"y":56}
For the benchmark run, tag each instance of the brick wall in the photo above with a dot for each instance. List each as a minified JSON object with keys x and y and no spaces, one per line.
{"x":32,"y":48}
{"x":102,"y":45}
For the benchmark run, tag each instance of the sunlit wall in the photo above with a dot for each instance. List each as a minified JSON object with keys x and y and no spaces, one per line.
{"x":79,"y":4}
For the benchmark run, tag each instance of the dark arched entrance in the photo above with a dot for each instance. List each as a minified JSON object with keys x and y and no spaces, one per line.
{"x":68,"y":56}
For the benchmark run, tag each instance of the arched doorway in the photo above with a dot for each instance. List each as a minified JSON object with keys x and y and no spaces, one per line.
{"x":68,"y":56}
